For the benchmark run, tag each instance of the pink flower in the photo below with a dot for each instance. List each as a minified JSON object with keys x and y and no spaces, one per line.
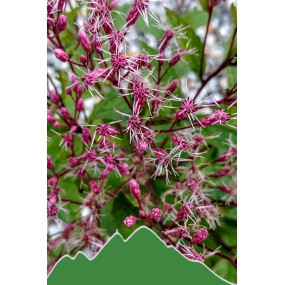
{"x":155,"y":213}
{"x":129,"y":221}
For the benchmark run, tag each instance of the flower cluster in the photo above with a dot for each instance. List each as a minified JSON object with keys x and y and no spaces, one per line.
{"x":149,"y":136}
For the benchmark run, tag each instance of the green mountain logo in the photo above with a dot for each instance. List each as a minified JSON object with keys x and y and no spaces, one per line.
{"x":141,"y":259}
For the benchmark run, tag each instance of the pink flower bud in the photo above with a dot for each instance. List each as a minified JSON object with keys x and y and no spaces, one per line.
{"x":155,"y":213}
{"x":61,"y":23}
{"x":52,"y":211}
{"x":129,"y":221}
{"x":86,"y":135}
{"x":50,"y":119}
{"x":113,"y":4}
{"x":82,"y":59}
{"x":56,"y":124}
{"x":49,"y":162}
{"x":172,"y":86}
{"x":79,"y":105}
{"x":73,"y":161}
{"x":223,"y":172}
{"x":75,"y":82}
{"x":52,"y":181}
{"x":65,"y":113}
{"x":49,"y":112}
{"x":229,"y":190}
{"x":61,"y":55}
{"x":68,"y":91}
{"x":79,"y":90}
{"x":104,"y":174}
{"x":142,"y":146}
{"x":54,"y":97}
{"x":135,"y":188}
{"x":94,"y":186}
{"x":53,"y":198}
{"x":168,"y":35}
{"x":200,"y":236}
{"x":228,"y":154}
{"x":175,"y":59}
{"x":122,"y":166}
{"x":142,"y":214}
{"x":84,"y":40}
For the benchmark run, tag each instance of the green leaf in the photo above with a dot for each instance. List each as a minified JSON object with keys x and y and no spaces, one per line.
{"x":122,"y":208}
{"x":234,"y":14}
{"x":232,"y":76}
{"x":104,"y":110}
{"x":197,"y":18}
{"x":225,"y":269}
{"x":193,"y":60}
{"x":204,"y":4}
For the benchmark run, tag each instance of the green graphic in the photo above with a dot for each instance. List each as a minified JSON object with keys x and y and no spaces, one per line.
{"x":142,"y":259}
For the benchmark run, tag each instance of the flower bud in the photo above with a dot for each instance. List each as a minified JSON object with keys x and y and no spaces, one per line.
{"x":122,"y":166}
{"x":73,"y":161}
{"x":49,"y":162}
{"x":142,"y":214}
{"x":61,"y":23}
{"x":200,"y":236}
{"x":135,"y":188}
{"x":223,"y":172}
{"x":54,"y":97}
{"x":79,"y":105}
{"x":155,"y":213}
{"x":65,"y":113}
{"x":94,"y":186}
{"x":75,"y":82}
{"x":129,"y":221}
{"x":104,"y":174}
{"x":82,"y":59}
{"x":86,"y":136}
{"x":53,"y":198}
{"x":142,"y":146}
{"x":51,"y":119}
{"x":79,"y":90}
{"x":112,"y":4}
{"x":52,"y":181}
{"x":228,"y":154}
{"x":84,"y":40}
{"x":172,"y":86}
{"x":68,"y":91}
{"x":61,"y":55}
{"x":56,"y":124}
{"x":175,"y":59}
